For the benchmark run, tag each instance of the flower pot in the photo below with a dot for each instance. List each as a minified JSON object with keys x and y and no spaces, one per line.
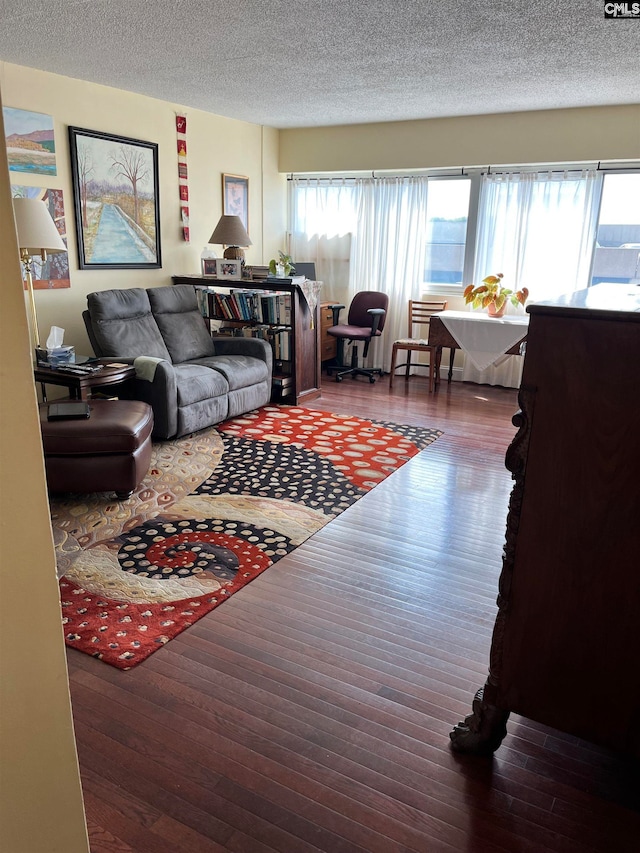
{"x":492,"y":312}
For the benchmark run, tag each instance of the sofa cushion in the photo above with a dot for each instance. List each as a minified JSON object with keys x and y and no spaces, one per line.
{"x":124,"y":326}
{"x":204,"y":413}
{"x":240,"y":371}
{"x":176,"y":312}
{"x":195,"y":383}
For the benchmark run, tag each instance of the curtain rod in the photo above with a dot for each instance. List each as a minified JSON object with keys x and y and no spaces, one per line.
{"x":337,"y":176}
{"x":462,"y":171}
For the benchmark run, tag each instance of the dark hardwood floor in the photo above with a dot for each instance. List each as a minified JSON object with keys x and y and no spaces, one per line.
{"x":311,"y":712}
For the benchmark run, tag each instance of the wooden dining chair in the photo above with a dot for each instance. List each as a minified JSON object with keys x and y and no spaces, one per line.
{"x":419,"y":316}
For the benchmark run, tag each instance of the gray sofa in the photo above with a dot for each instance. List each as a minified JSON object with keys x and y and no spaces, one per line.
{"x":190,"y":378}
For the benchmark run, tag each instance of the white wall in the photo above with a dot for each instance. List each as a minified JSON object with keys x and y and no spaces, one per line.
{"x":546,"y":136}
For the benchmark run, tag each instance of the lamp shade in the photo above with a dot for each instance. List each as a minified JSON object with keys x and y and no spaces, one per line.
{"x":36,"y":228}
{"x":230,"y":232}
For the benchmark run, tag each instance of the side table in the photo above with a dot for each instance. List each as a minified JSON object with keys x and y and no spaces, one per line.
{"x":80,"y":385}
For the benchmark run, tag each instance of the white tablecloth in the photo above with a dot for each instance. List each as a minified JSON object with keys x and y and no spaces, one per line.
{"x":485,"y":339}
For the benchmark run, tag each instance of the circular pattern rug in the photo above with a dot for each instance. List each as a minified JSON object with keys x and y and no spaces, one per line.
{"x":215,"y":510}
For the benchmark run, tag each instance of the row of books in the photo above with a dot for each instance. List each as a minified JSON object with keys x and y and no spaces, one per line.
{"x":278,"y":336}
{"x":257,"y":306}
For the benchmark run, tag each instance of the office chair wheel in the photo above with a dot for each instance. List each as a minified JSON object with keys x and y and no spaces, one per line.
{"x":338,"y":378}
{"x":372,"y":379}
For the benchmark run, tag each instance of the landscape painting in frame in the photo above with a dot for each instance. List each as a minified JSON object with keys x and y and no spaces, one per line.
{"x":30,"y":142}
{"x":115,"y":192}
{"x":54,"y":272}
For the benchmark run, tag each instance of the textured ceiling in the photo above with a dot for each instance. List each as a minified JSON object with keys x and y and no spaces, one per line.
{"x":326,"y":62}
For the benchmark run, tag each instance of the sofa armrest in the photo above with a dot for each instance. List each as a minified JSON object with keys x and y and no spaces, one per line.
{"x":255,"y":347}
{"x":160,"y":392}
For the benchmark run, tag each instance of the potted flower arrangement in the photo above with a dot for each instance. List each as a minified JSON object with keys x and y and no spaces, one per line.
{"x":283,"y":266}
{"x":493,"y":296}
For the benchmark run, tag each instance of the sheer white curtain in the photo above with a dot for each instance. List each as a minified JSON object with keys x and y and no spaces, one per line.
{"x":389,"y":251}
{"x":538,"y":229}
{"x":364,"y":234}
{"x":323,"y":218}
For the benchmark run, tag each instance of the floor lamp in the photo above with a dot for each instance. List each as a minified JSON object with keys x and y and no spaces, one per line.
{"x":37,"y":234}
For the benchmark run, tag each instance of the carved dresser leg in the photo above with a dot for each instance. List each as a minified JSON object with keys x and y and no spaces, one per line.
{"x":483,"y":731}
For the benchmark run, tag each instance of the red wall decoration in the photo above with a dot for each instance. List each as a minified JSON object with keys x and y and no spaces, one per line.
{"x":181,"y":131}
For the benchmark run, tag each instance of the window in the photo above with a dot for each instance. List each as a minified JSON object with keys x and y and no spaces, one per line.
{"x":617,"y":252}
{"x":553,"y":230}
{"x":538,"y":229}
{"x":447,"y":216}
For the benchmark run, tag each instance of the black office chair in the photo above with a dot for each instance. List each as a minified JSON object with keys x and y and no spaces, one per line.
{"x":367,"y":314}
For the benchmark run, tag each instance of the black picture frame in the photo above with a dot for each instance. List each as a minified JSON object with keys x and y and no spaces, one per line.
{"x":116,"y":200}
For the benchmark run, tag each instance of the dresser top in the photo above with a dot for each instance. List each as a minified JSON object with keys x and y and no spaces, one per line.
{"x":607,"y":301}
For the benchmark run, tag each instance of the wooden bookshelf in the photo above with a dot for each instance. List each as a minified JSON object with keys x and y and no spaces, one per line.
{"x":295,"y":379}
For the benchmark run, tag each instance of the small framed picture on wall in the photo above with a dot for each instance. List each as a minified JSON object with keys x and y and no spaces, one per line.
{"x":235,"y":197}
{"x":227,"y":268}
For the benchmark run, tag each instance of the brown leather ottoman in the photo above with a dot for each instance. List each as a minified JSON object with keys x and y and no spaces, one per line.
{"x":108,"y":451}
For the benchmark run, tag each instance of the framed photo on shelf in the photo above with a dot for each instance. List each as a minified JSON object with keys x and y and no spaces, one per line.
{"x":209,"y":266}
{"x":115,"y":192}
{"x":228,"y":268}
{"x":235,"y":197}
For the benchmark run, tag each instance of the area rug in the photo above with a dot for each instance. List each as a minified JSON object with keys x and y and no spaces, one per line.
{"x":216,"y":509}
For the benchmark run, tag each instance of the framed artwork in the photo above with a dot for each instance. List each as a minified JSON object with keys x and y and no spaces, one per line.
{"x":227,"y":268}
{"x":115,"y":194}
{"x":235,"y":197}
{"x":54,"y":272}
{"x":30,"y":143}
{"x":209,"y":266}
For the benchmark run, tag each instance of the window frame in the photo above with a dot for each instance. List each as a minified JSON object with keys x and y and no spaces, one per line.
{"x":475,"y":175}
{"x":611,"y":170}
{"x":442,"y":289}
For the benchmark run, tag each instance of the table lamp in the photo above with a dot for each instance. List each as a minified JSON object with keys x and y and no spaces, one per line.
{"x":37,"y":234}
{"x":230,"y":232}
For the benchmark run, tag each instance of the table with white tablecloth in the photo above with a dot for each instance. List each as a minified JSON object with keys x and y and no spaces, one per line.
{"x":484,"y":340}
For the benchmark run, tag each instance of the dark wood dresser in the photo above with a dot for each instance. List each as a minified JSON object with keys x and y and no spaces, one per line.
{"x":566,"y":643}
{"x":328,"y":344}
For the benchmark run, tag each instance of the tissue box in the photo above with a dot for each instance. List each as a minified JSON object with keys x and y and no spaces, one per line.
{"x":61,"y":355}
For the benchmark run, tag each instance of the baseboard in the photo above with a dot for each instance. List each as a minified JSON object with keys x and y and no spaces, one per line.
{"x":456,"y":375}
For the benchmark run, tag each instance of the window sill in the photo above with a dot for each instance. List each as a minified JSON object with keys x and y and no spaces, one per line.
{"x":443,"y":289}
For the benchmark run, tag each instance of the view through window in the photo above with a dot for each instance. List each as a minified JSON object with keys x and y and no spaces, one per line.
{"x":617,"y":251}
{"x":447,"y":215}
{"x":460,"y":229}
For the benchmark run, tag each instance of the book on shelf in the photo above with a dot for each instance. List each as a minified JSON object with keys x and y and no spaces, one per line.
{"x":258,"y":306}
{"x":202,"y":296}
{"x":291,"y":279}
{"x":258,"y":272}
{"x":282,"y":382}
{"x":281,"y":343}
